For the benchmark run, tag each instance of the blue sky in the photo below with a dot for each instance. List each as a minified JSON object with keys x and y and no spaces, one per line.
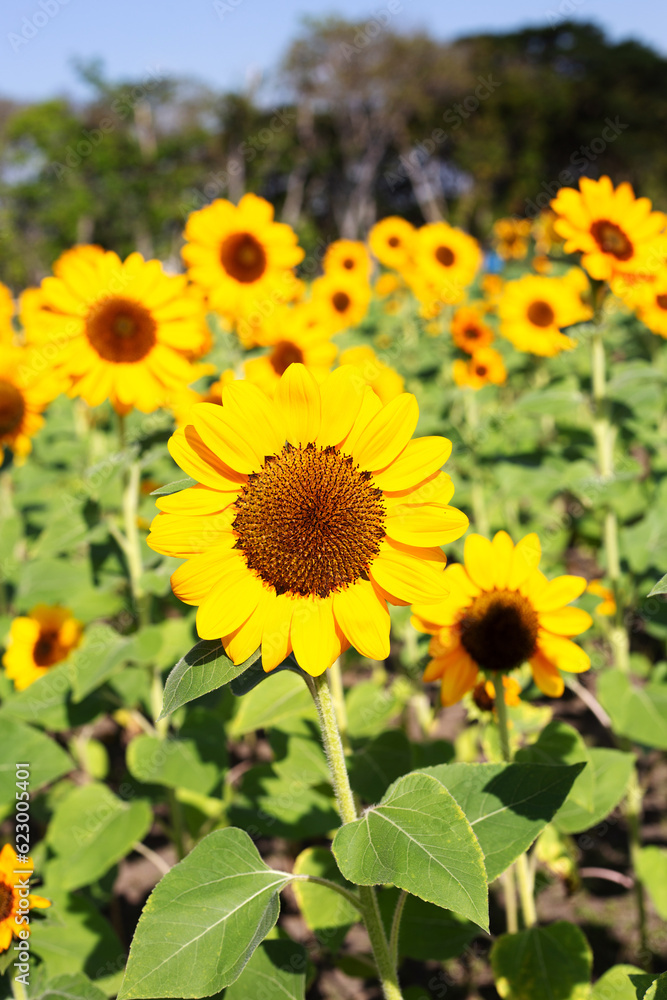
{"x":224,"y":42}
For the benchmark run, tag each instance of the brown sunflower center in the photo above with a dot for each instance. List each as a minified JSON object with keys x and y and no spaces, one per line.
{"x":481,"y":370}
{"x":48,"y":650}
{"x":611,"y":239}
{"x":394,"y":241}
{"x":310,"y":522}
{"x":6,"y":901}
{"x":445,"y":256}
{"x":284,"y":354}
{"x":341,"y":301}
{"x":661,"y":301}
{"x":12,"y":407}
{"x":540,"y":313}
{"x":348,"y":264}
{"x":243,"y":257}
{"x":499,"y":630}
{"x":471,"y":333}
{"x":120,"y":330}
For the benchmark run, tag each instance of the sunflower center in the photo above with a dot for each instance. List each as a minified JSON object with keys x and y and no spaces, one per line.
{"x":121,"y":331}
{"x":12,"y":407}
{"x":661,"y":301}
{"x":348,"y":264}
{"x":471,"y":333}
{"x":394,"y":241}
{"x":284,"y":354}
{"x":47,"y":650}
{"x":445,"y":256}
{"x":341,"y":301}
{"x":6,"y":901}
{"x":540,"y":313}
{"x":310,"y":522}
{"x":243,"y":257}
{"x":611,"y":239}
{"x":499,"y":630}
{"x":481,"y":370}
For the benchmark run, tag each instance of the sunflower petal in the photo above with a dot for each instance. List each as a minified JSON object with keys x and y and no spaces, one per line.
{"x":559,"y":592}
{"x":231,"y":602}
{"x":387,"y":434}
{"x":342,"y":393}
{"x":546,"y":676}
{"x":276,"y":639}
{"x":401,"y":572}
{"x":566,"y":621}
{"x":478,"y":558}
{"x":315,"y":638}
{"x":364,"y":618}
{"x":503,"y":552}
{"x":563,"y":653}
{"x":419,"y":459}
{"x":527,"y":555}
{"x":425,"y":524}
{"x":298,"y":401}
{"x":459,"y":675}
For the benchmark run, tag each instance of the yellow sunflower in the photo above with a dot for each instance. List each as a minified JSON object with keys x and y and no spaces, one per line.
{"x":312,"y":510}
{"x":37,"y":642}
{"x":501,"y":611}
{"x":608,"y":226}
{"x":343,"y":301}
{"x":116,"y":330}
{"x":447,"y":258}
{"x":294,"y":334}
{"x":469,"y":331}
{"x":534,"y":309}
{"x":485,"y":367}
{"x":6,"y":313}
{"x":511,"y":238}
{"x":25,"y":391}
{"x":383,"y":380}
{"x":240,"y":256}
{"x":350,"y":257}
{"x":13,"y":905}
{"x":391,"y":241}
{"x":608,"y":604}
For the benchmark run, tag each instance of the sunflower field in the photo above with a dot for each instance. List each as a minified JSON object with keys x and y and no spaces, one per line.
{"x":332,"y":616}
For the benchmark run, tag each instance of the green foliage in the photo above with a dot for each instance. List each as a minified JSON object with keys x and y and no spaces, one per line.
{"x":551,"y":962}
{"x":203,"y":669}
{"x":638,"y":713}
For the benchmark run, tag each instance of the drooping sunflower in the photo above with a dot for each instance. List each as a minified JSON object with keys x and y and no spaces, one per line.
{"x":26,"y":388}
{"x":349,"y":256}
{"x":391,"y":241}
{"x":116,"y":330}
{"x":511,"y":238}
{"x":447,"y":258}
{"x":37,"y":642}
{"x":501,"y":611}
{"x":240,"y":256}
{"x":13,"y":871}
{"x":533,"y":310}
{"x":293,"y":334}
{"x":385,"y":381}
{"x":608,"y":226}
{"x":469,"y":331}
{"x":343,"y":301}
{"x":312,"y":510}
{"x":485,"y":367}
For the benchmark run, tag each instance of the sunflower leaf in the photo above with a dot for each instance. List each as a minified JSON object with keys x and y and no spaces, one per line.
{"x":204,"y":920}
{"x":175,"y":487}
{"x":418,"y":839}
{"x":660,"y":587}
{"x":552,"y":962}
{"x":204,"y":668}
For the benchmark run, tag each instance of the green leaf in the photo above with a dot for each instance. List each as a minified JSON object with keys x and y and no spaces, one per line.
{"x":23,"y":744}
{"x":328,"y":914}
{"x":100,"y":826}
{"x":648,"y":987}
{"x":428,"y":933}
{"x":245,"y":683}
{"x":69,"y":987}
{"x":270,"y":804}
{"x":615,"y":984}
{"x":559,"y":743}
{"x":651,"y":866}
{"x":102,"y":653}
{"x":298,"y":759}
{"x":375,"y":764}
{"x":280,"y":699}
{"x":507,"y":805}
{"x":543,"y":963}
{"x":175,"y":763}
{"x":175,"y":487}
{"x":638,"y":713}
{"x":203,"y":920}
{"x":418,"y":839}
{"x":204,"y":668}
{"x":611,"y":772}
{"x":276,"y":971}
{"x":46,"y":703}
{"x":660,"y":587}
{"x":370,"y":706}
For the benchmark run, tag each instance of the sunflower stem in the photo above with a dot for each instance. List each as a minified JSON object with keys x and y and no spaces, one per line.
{"x":19,"y":990}
{"x":511,"y":908}
{"x":338,"y":695}
{"x":396,"y":927}
{"x":633,"y":810}
{"x":333,"y":746}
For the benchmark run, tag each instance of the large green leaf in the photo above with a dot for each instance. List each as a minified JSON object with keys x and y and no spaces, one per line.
{"x":650,"y":987}
{"x":23,"y":744}
{"x":543,"y":963}
{"x":651,"y":867}
{"x":638,"y":713}
{"x":660,"y":587}
{"x":69,"y":987}
{"x":370,"y":706}
{"x":326,"y":912}
{"x":203,"y":920}
{"x":175,"y":763}
{"x":559,"y":743}
{"x":507,"y":805}
{"x":101,"y":654}
{"x":615,"y":984}
{"x":91,"y":830}
{"x":204,"y":668}
{"x":279,"y":700}
{"x":276,"y":971}
{"x":418,"y":839}
{"x":270,"y":804}
{"x":72,"y":937}
{"x":611,"y":772}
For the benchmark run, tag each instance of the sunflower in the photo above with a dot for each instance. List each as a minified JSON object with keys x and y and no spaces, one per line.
{"x":511,"y":238}
{"x":609,"y":226}
{"x":13,"y":871}
{"x":25,"y":391}
{"x":447,"y":258}
{"x":485,"y":367}
{"x":650,"y":301}
{"x":534,"y":309}
{"x":608,"y":605}
{"x":116,"y":330}
{"x":501,"y":611}
{"x":391,"y":241}
{"x":469,"y":331}
{"x":484,"y":693}
{"x":342,"y":301}
{"x":240,"y":256}
{"x":312,"y":510}
{"x":37,"y":642}
{"x":385,"y":382}
{"x":298,"y":334}
{"x":350,"y":257}
{"x":6,"y":313}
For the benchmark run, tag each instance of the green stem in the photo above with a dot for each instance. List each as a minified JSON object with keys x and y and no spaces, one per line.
{"x":19,"y":990}
{"x":633,"y":810}
{"x":396,"y":927}
{"x":503,"y":725}
{"x":338,"y":695}
{"x":511,"y":908}
{"x":333,"y":746}
{"x":340,"y":889}
{"x":177,"y":823}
